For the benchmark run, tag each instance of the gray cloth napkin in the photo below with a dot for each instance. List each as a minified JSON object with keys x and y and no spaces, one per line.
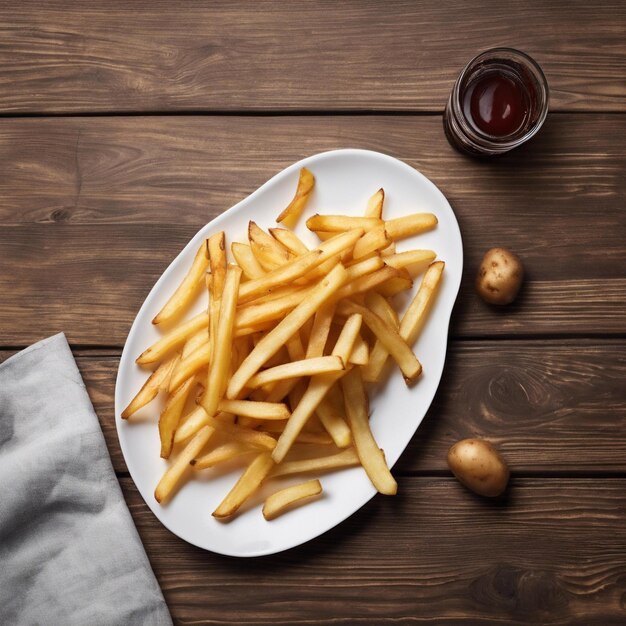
{"x":69,"y":552}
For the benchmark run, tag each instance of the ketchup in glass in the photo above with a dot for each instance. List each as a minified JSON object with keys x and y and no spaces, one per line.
{"x":499,"y":101}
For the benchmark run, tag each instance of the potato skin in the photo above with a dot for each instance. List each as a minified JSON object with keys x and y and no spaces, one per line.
{"x":479,"y":466}
{"x":500,"y":276}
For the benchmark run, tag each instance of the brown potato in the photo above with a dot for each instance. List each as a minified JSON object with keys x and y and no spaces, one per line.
{"x":479,"y":466}
{"x":499,"y":277}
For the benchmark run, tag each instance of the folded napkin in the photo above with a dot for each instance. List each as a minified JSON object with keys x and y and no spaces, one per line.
{"x":69,"y":552}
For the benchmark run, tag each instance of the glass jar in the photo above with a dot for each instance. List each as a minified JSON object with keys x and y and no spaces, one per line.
{"x":498,"y":102}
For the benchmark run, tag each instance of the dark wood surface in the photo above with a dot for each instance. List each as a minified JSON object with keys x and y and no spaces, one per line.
{"x":125,"y":128}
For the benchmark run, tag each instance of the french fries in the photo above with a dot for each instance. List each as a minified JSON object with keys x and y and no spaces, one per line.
{"x":285,"y":499}
{"x":277,"y":360}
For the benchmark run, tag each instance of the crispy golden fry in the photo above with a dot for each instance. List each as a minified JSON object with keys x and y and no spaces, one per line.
{"x":199,"y":418}
{"x":271,"y":343}
{"x":188,"y":288}
{"x":333,"y":421}
{"x":324,"y":235}
{"x":389,"y":337}
{"x":217,"y":259}
{"x":268,"y":252}
{"x":189,"y":366}
{"x":319,"y":331}
{"x":290,"y":240}
{"x":151,"y":387}
{"x":380,"y":305}
{"x":409,"y":225}
{"x":175,"y":472}
{"x":395,"y":285}
{"x":219,"y":368}
{"x":247,"y":484}
{"x":173,"y":339}
{"x":365,"y":283}
{"x":290,"y":497}
{"x":317,"y":389}
{"x":290,"y":216}
{"x":415,"y":261}
{"x":319,"y":439}
{"x":296,"y":369}
{"x":412,"y":321}
{"x":359,"y":269}
{"x":360,"y":353}
{"x":370,"y":455}
{"x":225,"y":452}
{"x":345,"y":458}
{"x":253,"y":314}
{"x":257,"y":410}
{"x":170,"y":417}
{"x":246,"y":260}
{"x":194,"y":342}
{"x":372,"y":241}
{"x":375,"y":205}
{"x":339,"y":223}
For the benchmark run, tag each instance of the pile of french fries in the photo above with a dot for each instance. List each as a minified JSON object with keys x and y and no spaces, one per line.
{"x":273,"y":371}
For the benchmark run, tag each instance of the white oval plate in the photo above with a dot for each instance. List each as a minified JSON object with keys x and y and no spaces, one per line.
{"x":344,"y":181}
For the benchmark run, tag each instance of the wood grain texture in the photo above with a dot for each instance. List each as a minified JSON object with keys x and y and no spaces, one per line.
{"x":104,"y":204}
{"x":155,"y":55}
{"x":549,"y":406}
{"x":552,"y":552}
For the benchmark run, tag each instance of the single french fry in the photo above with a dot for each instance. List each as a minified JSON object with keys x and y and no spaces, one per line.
{"x":370,"y":455}
{"x":375,"y":205}
{"x":359,"y":269}
{"x":317,"y":389}
{"x":409,"y":225}
{"x":188,"y":288}
{"x":247,"y":484}
{"x":151,"y":387}
{"x":360,"y":353}
{"x":290,"y":240}
{"x":199,"y":418}
{"x":389,"y":337}
{"x":345,"y":458}
{"x":290,"y":216}
{"x":380,"y":305}
{"x":277,"y":337}
{"x":273,"y":309}
{"x":217,"y":260}
{"x":173,"y":339}
{"x":257,"y":410}
{"x":170,"y":417}
{"x":339,"y":223}
{"x":396,"y":284}
{"x":412,"y":321}
{"x":415,"y":261}
{"x":246,"y":260}
{"x":372,"y":241}
{"x":319,"y":331}
{"x":318,"y":439}
{"x":194,"y":342}
{"x":295,"y":369}
{"x":325,"y":235}
{"x":219,"y":368}
{"x":225,"y":452}
{"x":290,"y":497}
{"x":175,"y":472}
{"x":268,"y":252}
{"x":189,"y":366}
{"x":334,"y":421}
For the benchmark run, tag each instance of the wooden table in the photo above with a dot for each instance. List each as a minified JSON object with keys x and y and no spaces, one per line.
{"x":127,"y":126}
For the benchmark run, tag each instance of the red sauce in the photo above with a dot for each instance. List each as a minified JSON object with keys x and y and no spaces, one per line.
{"x":496,"y":103}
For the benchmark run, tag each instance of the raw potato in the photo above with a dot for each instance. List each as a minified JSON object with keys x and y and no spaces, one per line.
{"x":499,"y":277}
{"x":479,"y":466}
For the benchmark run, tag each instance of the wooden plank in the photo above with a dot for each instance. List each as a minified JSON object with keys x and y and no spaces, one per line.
{"x":104,"y":204}
{"x":549,"y":406}
{"x":153,"y":55}
{"x":553,"y":553}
